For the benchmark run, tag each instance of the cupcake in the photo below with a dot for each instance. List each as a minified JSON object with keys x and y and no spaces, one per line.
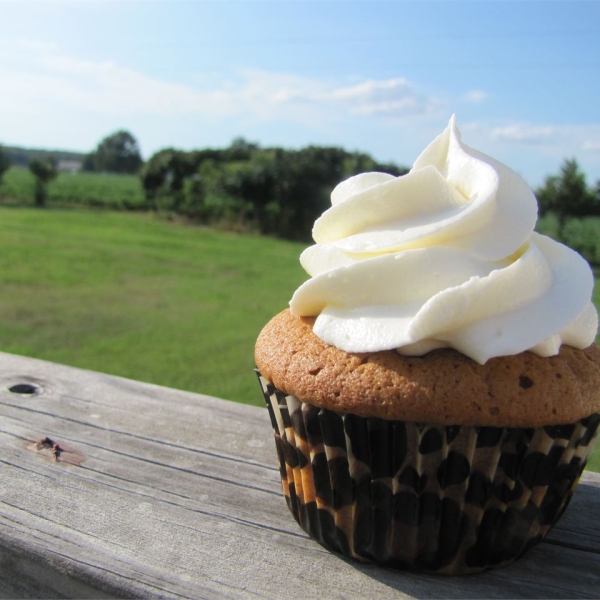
{"x":434,"y":388}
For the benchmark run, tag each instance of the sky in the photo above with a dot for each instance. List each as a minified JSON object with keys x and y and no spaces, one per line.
{"x":523,"y":78}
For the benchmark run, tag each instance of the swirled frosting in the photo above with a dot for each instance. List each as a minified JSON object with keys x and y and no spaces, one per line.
{"x":444,"y":256}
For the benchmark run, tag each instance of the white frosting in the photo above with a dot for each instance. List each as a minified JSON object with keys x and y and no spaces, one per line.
{"x":444,"y":256}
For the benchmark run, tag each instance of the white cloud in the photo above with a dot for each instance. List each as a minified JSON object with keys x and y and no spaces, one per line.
{"x":42,"y":76}
{"x":388,"y":98}
{"x":557,"y":140}
{"x":391,"y":97}
{"x":591,"y":146}
{"x":524,"y":133}
{"x":475,"y":96}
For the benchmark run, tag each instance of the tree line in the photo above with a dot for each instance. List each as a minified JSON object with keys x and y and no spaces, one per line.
{"x":21,"y":157}
{"x":271,"y":190}
{"x":281,"y":192}
{"x":274,"y":191}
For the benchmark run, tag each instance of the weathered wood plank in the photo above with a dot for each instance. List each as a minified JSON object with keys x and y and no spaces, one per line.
{"x":178,"y":496}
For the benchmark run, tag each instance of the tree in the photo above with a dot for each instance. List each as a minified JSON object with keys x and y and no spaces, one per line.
{"x":596,"y":195}
{"x":87,"y":165}
{"x":4,"y":163}
{"x":240,"y":149}
{"x":165,"y":173}
{"x":567,"y":195}
{"x":44,"y":171}
{"x":118,"y":153}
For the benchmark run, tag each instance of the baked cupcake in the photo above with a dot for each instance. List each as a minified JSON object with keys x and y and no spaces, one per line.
{"x":434,"y":388}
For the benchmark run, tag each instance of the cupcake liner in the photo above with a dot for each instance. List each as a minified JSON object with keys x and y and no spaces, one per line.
{"x":448,"y":499}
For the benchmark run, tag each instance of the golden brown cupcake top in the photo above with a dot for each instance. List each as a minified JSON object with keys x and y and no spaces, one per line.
{"x":443,"y":386}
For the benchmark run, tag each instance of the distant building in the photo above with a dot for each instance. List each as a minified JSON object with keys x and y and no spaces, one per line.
{"x":68,"y":166}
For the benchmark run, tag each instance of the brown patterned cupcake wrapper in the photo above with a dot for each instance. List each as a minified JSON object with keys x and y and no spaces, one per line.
{"x":450,"y":499}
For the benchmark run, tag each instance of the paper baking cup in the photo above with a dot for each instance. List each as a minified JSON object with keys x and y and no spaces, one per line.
{"x":449,"y":499}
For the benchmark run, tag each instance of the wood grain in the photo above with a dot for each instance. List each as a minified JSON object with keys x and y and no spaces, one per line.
{"x":163,"y":493}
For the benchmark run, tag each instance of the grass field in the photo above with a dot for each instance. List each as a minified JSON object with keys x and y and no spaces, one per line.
{"x":126,"y":294}
{"x":132,"y":295}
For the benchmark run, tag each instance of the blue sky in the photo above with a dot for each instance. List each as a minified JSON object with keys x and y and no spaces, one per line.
{"x":382,"y":77}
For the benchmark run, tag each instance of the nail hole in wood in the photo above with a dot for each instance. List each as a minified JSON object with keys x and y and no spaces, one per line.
{"x":24,"y":388}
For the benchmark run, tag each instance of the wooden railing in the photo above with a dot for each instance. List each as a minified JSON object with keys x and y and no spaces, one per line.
{"x":111,"y":487}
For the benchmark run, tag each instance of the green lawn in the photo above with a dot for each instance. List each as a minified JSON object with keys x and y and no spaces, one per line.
{"x":130,"y":295}
{"x":136,"y":296}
